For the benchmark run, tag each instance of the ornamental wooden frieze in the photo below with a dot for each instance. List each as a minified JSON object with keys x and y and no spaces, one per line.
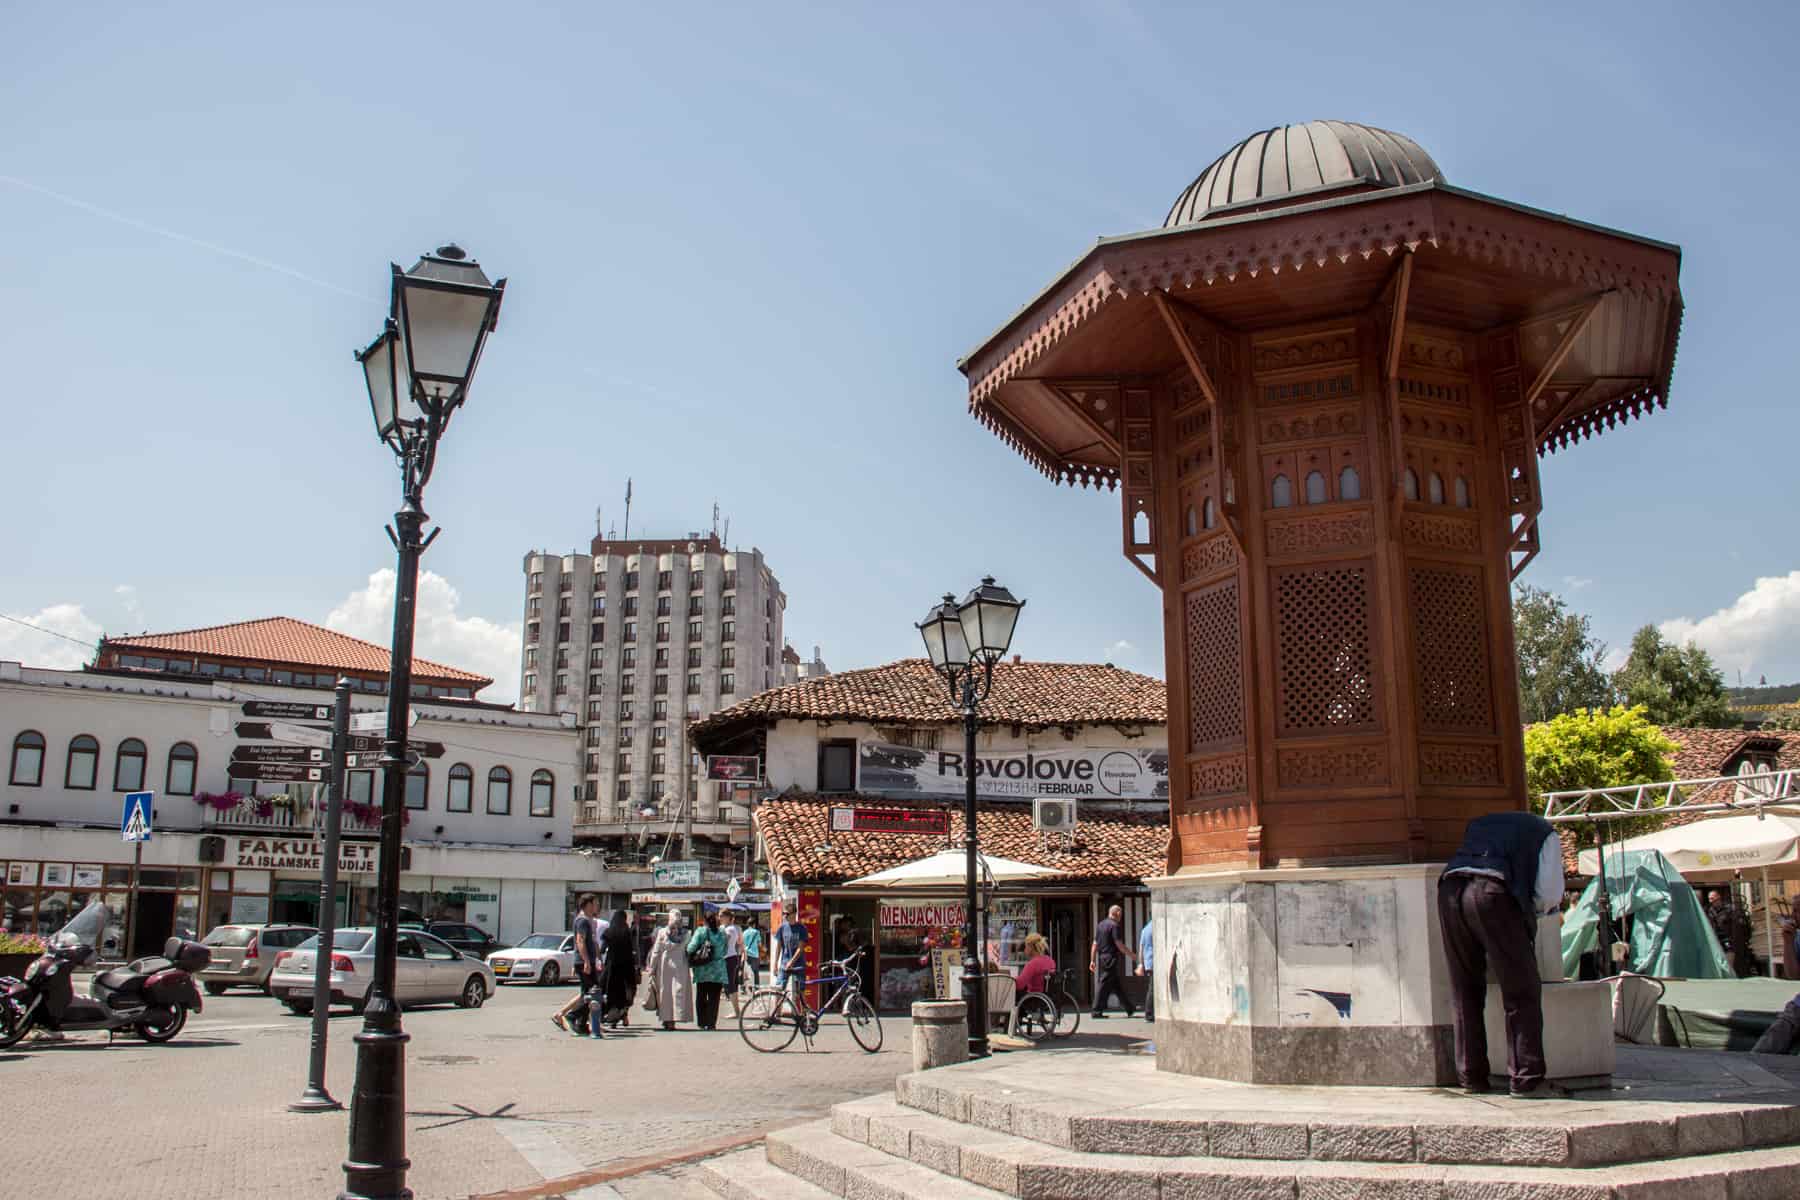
{"x":1305,"y":350}
{"x":1339,"y":385}
{"x":1329,"y":424}
{"x":1436,"y":353}
{"x":1459,"y":764}
{"x":1332,"y":766}
{"x":1437,"y":427}
{"x":1428,"y":532}
{"x":1222,"y":775}
{"x":1210,"y":557}
{"x":1321,"y":533}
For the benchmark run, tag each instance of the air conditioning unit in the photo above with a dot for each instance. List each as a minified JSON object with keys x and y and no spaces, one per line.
{"x":1053,"y":816}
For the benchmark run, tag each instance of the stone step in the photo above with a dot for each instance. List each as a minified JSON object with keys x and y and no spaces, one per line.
{"x":749,"y":1175}
{"x":1172,"y":1117}
{"x":852,"y":1154}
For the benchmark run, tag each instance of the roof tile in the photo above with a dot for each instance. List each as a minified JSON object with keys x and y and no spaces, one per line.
{"x":285,"y":640}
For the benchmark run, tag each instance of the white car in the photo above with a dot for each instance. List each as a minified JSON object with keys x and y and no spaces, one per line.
{"x":540,"y":958}
{"x":426,"y":969}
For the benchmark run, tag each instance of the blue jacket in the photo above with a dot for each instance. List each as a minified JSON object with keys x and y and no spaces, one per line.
{"x":1507,"y":843}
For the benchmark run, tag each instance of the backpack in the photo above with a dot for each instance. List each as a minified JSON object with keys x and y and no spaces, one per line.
{"x":699,"y":956}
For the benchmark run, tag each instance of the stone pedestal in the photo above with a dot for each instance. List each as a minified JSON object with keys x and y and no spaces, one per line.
{"x":940,"y":1033}
{"x":1304,"y":976}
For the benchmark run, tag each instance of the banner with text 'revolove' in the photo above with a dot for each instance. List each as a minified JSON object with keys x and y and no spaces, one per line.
{"x":1078,"y":772}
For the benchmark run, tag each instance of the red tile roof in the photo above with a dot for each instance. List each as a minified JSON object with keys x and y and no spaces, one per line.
{"x":1110,"y":846}
{"x":285,"y":641}
{"x":908,"y":692}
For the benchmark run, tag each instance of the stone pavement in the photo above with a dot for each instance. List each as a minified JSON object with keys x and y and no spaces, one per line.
{"x":499,"y":1103}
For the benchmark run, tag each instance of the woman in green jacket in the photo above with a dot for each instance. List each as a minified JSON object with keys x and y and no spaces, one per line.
{"x":709,"y":976}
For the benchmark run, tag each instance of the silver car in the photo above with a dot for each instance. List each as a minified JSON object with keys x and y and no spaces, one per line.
{"x":245,"y":954}
{"x":426,"y":970}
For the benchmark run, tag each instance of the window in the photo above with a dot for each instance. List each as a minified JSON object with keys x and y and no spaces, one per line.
{"x":595,"y":657}
{"x":1209,"y":515}
{"x":624,"y":735}
{"x":728,"y":631}
{"x":462,"y":787}
{"x":728,"y":606}
{"x":662,"y":656}
{"x":531,"y":683}
{"x":631,"y":606}
{"x":596,"y":682}
{"x":659,"y":735}
{"x":1349,"y":484}
{"x":693,"y":683}
{"x":696,"y":577}
{"x":531,"y":658}
{"x":562,"y":658}
{"x":28,"y":760}
{"x":730,"y":579}
{"x":1281,"y":492}
{"x":727,"y":657}
{"x":128,"y":766}
{"x":1409,"y":484}
{"x":837,"y":765}
{"x":694,"y":608}
{"x":662,"y":631}
{"x":727,"y":683}
{"x":631,"y":581}
{"x":1462,"y":492}
{"x":659,"y":711}
{"x":562,"y":606}
{"x":418,"y":786}
{"x":656,"y":764}
{"x":84,"y":764}
{"x":543,"y":793}
{"x":624,"y":764}
{"x":622,"y":791}
{"x":562,"y":631}
{"x":534,"y":605}
{"x":565,"y":582}
{"x":184,"y":762}
{"x":499,"y":800}
{"x":662,"y":581}
{"x":1315,"y":487}
{"x":662,"y":683}
{"x":628,"y":657}
{"x":662,"y":606}
{"x":624,"y":710}
{"x":598,"y":633}
{"x":537,"y":581}
{"x":627,"y":683}
{"x":1434,"y":488}
{"x":593,"y":764}
{"x":362,"y":787}
{"x":532,"y":632}
{"x":656,"y":789}
{"x":561,"y":687}
{"x":631,"y":631}
{"x":1191,"y":524}
{"x":599,"y":606}
{"x":596,"y":710}
{"x":693,"y":657}
{"x":694,"y":631}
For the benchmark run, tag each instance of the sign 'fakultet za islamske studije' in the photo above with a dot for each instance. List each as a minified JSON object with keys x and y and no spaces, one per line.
{"x":301,"y":854}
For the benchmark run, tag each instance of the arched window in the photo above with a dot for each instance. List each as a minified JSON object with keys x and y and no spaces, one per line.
{"x":499,"y":799}
{"x":1435,"y":488}
{"x":418,"y":786}
{"x":462,"y":788}
{"x":1209,"y":516}
{"x":1410,"y":484}
{"x":1462,"y":492}
{"x":543,"y":793}
{"x":1281,"y":492}
{"x":1349,"y":484}
{"x":1230,"y":494}
{"x":1315,"y":487}
{"x":27,"y":760}
{"x":1193,"y":522}
{"x":128,"y":766}
{"x":83,"y":770}
{"x":184,"y":763}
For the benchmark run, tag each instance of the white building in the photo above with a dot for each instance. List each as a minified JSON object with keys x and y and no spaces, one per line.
{"x":488,"y":836}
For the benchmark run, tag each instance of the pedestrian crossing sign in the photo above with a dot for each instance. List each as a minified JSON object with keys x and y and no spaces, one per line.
{"x":134,"y":823}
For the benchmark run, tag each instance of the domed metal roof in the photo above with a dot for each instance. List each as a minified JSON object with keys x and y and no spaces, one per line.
{"x":1293,"y":159}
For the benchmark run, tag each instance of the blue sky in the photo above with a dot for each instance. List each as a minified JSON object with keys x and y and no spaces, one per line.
{"x":746,"y":245}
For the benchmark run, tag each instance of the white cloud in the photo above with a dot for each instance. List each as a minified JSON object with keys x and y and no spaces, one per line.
{"x":1576,"y":582}
{"x":1759,"y":631}
{"x":21,"y":644}
{"x":1118,"y":650}
{"x":440,"y":633}
{"x":128,"y":600}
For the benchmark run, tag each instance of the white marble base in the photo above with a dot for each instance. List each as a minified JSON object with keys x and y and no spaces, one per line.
{"x":1578,"y":1032}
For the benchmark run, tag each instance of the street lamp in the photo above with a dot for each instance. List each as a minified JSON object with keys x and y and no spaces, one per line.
{"x":963,"y":640}
{"x":417,"y":373}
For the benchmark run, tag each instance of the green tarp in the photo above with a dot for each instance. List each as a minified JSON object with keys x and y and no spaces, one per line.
{"x":1670,"y":935}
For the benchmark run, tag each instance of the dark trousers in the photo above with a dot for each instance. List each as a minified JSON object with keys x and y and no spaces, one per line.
{"x":706,"y":1004}
{"x":1150,"y":995}
{"x":1110,"y":981}
{"x":1483,"y":925}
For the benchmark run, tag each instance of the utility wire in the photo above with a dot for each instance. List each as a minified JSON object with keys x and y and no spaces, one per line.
{"x":52,"y":632}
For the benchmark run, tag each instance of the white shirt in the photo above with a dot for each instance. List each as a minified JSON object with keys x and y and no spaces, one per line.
{"x":1547,"y":893}
{"x":734,"y":940}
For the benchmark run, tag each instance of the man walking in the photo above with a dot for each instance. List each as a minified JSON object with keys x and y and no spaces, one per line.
{"x":1147,"y":968}
{"x":1107,"y":962}
{"x":790,"y":956}
{"x":1508,"y":870}
{"x":753,"y":952}
{"x":587,"y":962}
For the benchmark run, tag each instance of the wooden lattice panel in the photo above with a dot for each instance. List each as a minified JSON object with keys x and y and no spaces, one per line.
{"x":1450,"y":649}
{"x":1324,"y":663}
{"x":1214,"y":666}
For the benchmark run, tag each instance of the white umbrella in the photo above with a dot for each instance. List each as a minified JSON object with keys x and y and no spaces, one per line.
{"x":949,"y":868}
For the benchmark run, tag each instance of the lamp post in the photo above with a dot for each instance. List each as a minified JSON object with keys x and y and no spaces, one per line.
{"x":963,"y":641}
{"x":418,"y":373}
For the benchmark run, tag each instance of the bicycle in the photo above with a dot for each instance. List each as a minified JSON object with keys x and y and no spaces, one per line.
{"x":772,"y":1017}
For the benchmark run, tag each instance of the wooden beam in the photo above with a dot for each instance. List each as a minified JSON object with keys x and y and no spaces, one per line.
{"x":1203,"y":377}
{"x":1390,"y":382}
{"x":1397,"y":320}
{"x":1574,"y":331}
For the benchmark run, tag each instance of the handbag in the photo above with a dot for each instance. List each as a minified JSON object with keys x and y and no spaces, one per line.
{"x":699,"y":956}
{"x":650,"y":1004}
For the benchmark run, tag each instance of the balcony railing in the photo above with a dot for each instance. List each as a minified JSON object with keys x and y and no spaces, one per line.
{"x":256,"y":812}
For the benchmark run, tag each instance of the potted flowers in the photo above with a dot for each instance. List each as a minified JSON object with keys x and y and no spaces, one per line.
{"x":17,"y":951}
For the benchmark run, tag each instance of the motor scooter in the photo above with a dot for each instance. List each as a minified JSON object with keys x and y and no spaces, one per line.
{"x":150,"y":996}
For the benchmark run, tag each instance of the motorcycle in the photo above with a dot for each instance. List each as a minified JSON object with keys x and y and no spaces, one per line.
{"x":151,"y":996}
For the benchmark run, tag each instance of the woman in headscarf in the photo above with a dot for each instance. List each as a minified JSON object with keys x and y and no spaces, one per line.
{"x":618,"y":969}
{"x":668,"y":963}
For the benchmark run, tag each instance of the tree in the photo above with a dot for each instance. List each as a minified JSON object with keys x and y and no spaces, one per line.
{"x":1559,"y":659}
{"x":1597,"y":748}
{"x":1675,"y":685}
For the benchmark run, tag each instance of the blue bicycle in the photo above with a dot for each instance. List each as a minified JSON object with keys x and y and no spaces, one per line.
{"x":772,"y":1017}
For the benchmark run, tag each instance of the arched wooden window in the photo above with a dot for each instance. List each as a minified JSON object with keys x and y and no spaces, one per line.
{"x":1209,"y":516}
{"x":1349,"y":484}
{"x":82,"y":773}
{"x":128,"y":766}
{"x":1410,"y":484}
{"x":1230,"y":493}
{"x":1435,"y":488}
{"x":499,"y":796}
{"x":1192,"y":521}
{"x":1315,"y":487}
{"x":184,"y":764}
{"x":1462,"y":492}
{"x":543,"y":793}
{"x":418,"y":786}
{"x":1281,"y":492}
{"x":27,"y":760}
{"x":462,"y":789}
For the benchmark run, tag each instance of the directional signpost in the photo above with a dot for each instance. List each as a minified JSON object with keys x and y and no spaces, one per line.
{"x":278,"y":754}
{"x":134,"y":826}
{"x":376,"y":722}
{"x":262,"y":731}
{"x":286,"y":710}
{"x":277,"y":772}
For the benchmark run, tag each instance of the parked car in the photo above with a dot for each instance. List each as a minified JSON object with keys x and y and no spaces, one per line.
{"x":470,"y":939}
{"x":541,"y":958}
{"x":245,"y":954}
{"x":426,"y":970}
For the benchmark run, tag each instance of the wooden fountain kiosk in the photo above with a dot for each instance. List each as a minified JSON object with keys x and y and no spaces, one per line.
{"x":1321,"y":390}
